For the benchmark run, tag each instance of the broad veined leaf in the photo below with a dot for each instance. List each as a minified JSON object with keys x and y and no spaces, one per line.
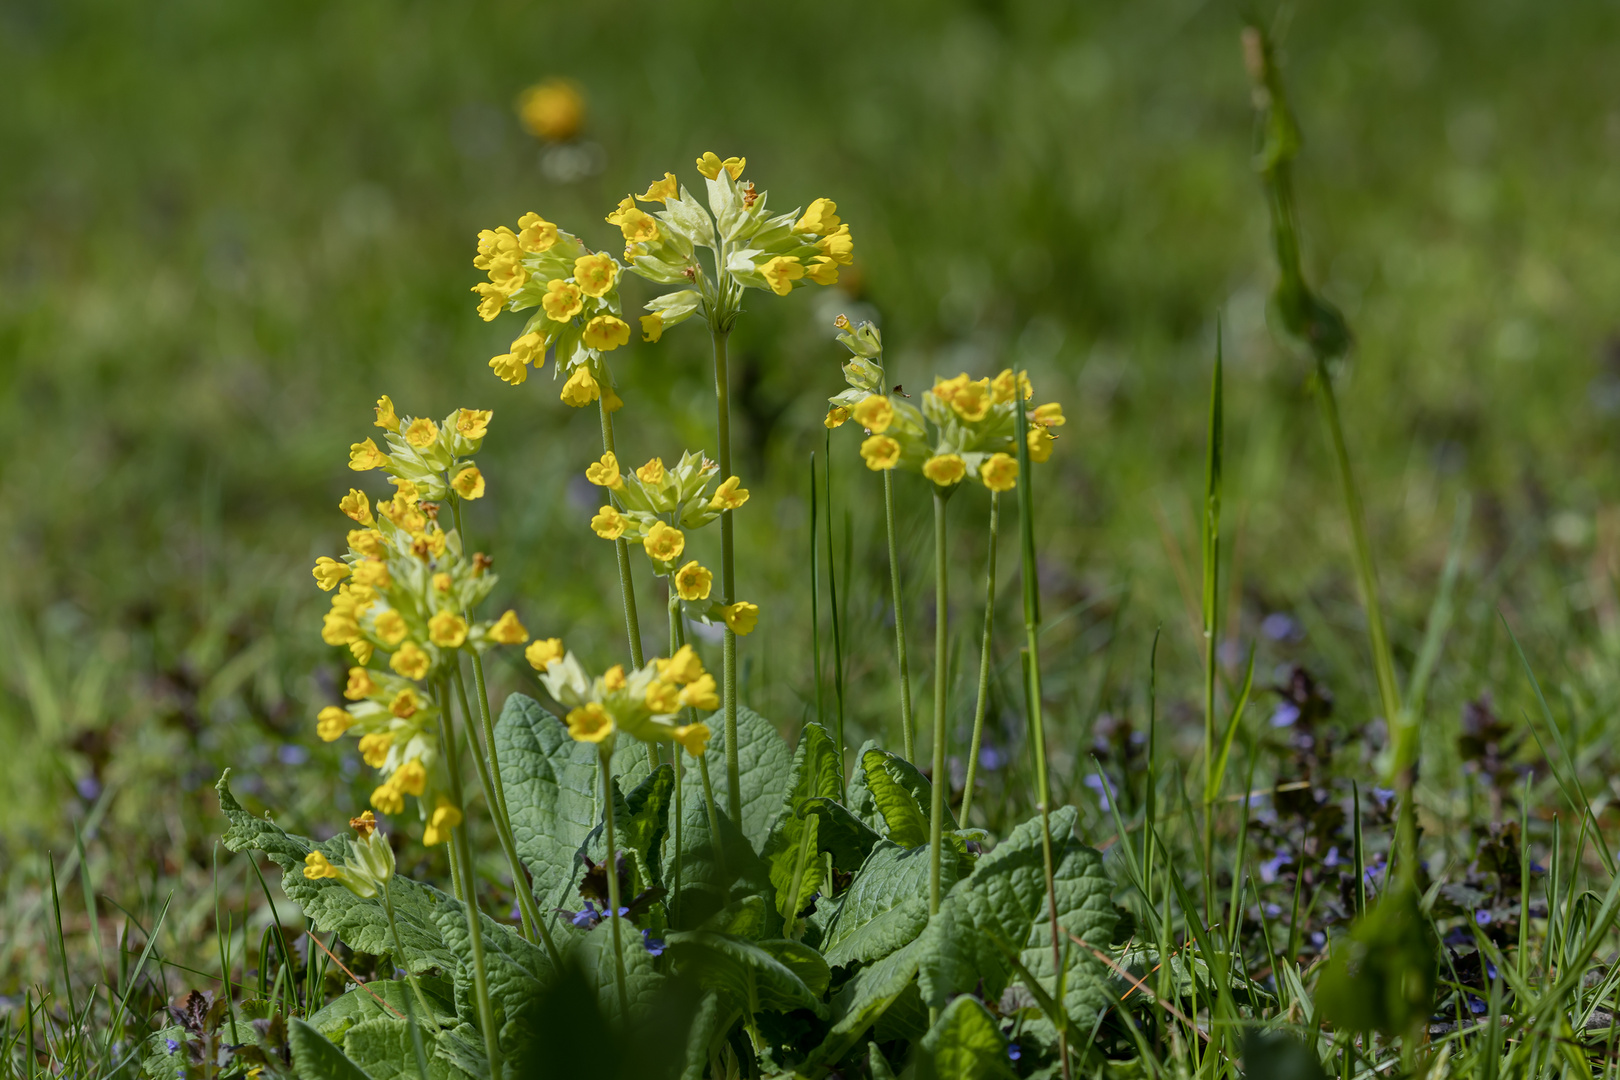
{"x":859,"y":797}
{"x":707,"y":872}
{"x":316,"y":1059}
{"x":791,"y":850}
{"x":902,"y":796}
{"x":640,"y":821}
{"x":764,"y":764}
{"x":362,"y":1003}
{"x":777,"y":975}
{"x":966,"y":1044}
{"x":840,"y":833}
{"x":515,"y":972}
{"x":886,"y":906}
{"x":642,"y":978}
{"x":714,"y":1018}
{"x":864,"y":998}
{"x":382,"y":1046}
{"x":1000,"y":911}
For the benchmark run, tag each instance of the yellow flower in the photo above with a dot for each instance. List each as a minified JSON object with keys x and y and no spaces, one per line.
{"x":589,"y":723}
{"x":499,"y":243}
{"x":508,"y":631}
{"x":606,"y":333}
{"x":741,"y":617}
{"x":652,"y":326}
{"x":605,"y":473}
{"x":838,"y":246}
{"x":406,"y":704}
{"x":361,"y":648}
{"x":1049,"y":415}
{"x":554,"y":110}
{"x":875,"y":414}
{"x":945,"y":469}
{"x":374,"y":748}
{"x":391,"y":627}
{"x":612,"y":402}
{"x":710,"y":165}
{"x":613,"y":678}
{"x":373,"y":574}
{"x":693,"y":737}
{"x":880,"y":452}
{"x":637,"y":225}
{"x":664,"y":543}
{"x":355,"y":505}
{"x":1001,"y":387}
{"x":447,"y":630}
{"x":661,"y":190}
{"x":972,"y":401}
{"x":364,"y":456}
{"x":842,"y":322}
{"x":328,"y":572}
{"x":339,"y":628}
{"x":473,"y":423}
{"x":700,"y":693}
{"x":543,"y":651}
{"x":609,"y":524}
{"x":509,"y":369}
{"x":729,"y":495}
{"x":386,"y":417}
{"x":662,"y":697}
{"x":367,"y":542}
{"x":507,"y":274}
{"x":469,"y":483}
{"x":535,"y":233}
{"x":360,"y":684}
{"x":581,"y":388}
{"x":410,"y":661}
{"x":317,"y":866}
{"x":692,"y":581}
{"x":652,"y":473}
{"x":999,"y":472}
{"x":422,"y":433}
{"x":562,"y":301}
{"x":781,"y":272}
{"x":388,"y":799}
{"x":835,"y":417}
{"x":441,"y":582}
{"x":595,"y":273}
{"x":820,"y":219}
{"x":445,"y":817}
{"x":365,"y":824}
{"x":682,"y":668}
{"x":332,"y":722}
{"x":947,"y":389}
{"x":411,"y":778}
{"x":490,"y":302}
{"x":823,"y":270}
{"x":1040,"y":444}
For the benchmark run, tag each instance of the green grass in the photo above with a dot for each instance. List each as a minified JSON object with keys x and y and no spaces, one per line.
{"x":225,"y":230}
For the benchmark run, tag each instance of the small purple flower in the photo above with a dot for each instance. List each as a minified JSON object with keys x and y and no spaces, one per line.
{"x":1270,"y":867}
{"x":514,"y":914}
{"x":1277,"y":626}
{"x":1490,"y":969}
{"x":1482,"y":917}
{"x":586,"y":917}
{"x":1475,"y":1005}
{"x":1332,"y":857}
{"x":1101,"y":786}
{"x":89,"y":788}
{"x":1285,"y":715}
{"x":1014,"y":1052}
{"x":655,"y":946}
{"x":990,"y":758}
{"x":173,"y":1045}
{"x":292,"y":754}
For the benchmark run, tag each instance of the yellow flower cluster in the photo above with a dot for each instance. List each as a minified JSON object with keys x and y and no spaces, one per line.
{"x":649,"y":703}
{"x":366,"y":868}
{"x":974,"y":421}
{"x":652,"y":505}
{"x":406,"y":589}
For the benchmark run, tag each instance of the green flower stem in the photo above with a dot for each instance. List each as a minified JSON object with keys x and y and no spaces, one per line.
{"x":410,"y":976}
{"x":728,"y":584}
{"x":676,"y":639}
{"x":632,"y":625}
{"x":534,"y":925}
{"x":461,"y":853}
{"x":908,"y":724}
{"x":832,"y":594}
{"x":1032,"y":702}
{"x":714,"y":815}
{"x":941,"y":778}
{"x":815,"y":595}
{"x":984,"y":655}
{"x":613,"y":879}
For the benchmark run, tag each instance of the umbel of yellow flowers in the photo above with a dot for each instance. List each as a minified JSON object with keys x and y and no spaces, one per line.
{"x":647,"y":703}
{"x":652,"y":505}
{"x":576,"y":289}
{"x":367,"y":867}
{"x":405,"y":590}
{"x":965,"y":428}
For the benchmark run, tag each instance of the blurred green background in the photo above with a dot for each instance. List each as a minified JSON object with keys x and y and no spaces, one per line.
{"x":226,"y":228}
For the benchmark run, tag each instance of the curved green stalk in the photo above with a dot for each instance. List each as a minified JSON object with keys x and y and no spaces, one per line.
{"x":908,"y":724}
{"x":728,"y":584}
{"x":614,"y":904}
{"x":942,"y":776}
{"x":984,"y":656}
{"x":410,"y":976}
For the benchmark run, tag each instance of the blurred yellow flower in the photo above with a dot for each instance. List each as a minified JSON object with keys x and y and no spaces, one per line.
{"x":589,"y":723}
{"x":445,"y":817}
{"x":441,"y":582}
{"x":317,"y":866}
{"x":606,"y":333}
{"x":662,"y":697}
{"x":411,"y":661}
{"x":374,"y":748}
{"x":741,"y":617}
{"x":874,"y":413}
{"x":999,"y":472}
{"x":360,"y":684}
{"x":361,"y":648}
{"x":692,"y":581}
{"x":329,"y":572}
{"x":1049,"y":415}
{"x":700,"y":693}
{"x":386,"y":417}
{"x":838,"y":246}
{"x":388,"y":799}
{"x":694,"y":738}
{"x":781,"y":272}
{"x":664,"y":543}
{"x":1040,"y":444}
{"x":367,"y":542}
{"x":1001,"y":387}
{"x":411,"y":778}
{"x":563,"y":300}
{"x":554,"y":109}
{"x":535,"y":233}
{"x":355,"y":505}
{"x":945,"y":469}
{"x":729,"y":495}
{"x":391,"y":627}
{"x":406,"y":704}
{"x":508,"y":630}
{"x":333,"y":722}
{"x":372,"y":573}
{"x":835,"y":417}
{"x":595,"y":273}
{"x":880,"y":452}
{"x":823,"y":270}
{"x":608,"y":523}
{"x":469,"y":483}
{"x":684,"y":667}
{"x":652,"y":327}
{"x":543,"y":651}
{"x":447,"y":630}
{"x":972,"y":400}
{"x":581,"y":388}
{"x":422,"y":433}
{"x":364,"y":456}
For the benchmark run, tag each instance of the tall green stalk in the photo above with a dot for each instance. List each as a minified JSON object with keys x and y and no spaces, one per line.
{"x":1210,"y":529}
{"x":984,"y":656}
{"x":722,"y":394}
{"x":632,"y":625}
{"x":1032,"y":702}
{"x":832,"y":593}
{"x":399,"y":951}
{"x":942,"y":778}
{"x":908,"y":724}
{"x":815,"y":595}
{"x":612,"y":864}
{"x":461,"y":853}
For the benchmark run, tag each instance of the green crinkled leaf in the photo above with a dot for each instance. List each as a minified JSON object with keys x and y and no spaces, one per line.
{"x":362,"y":923}
{"x":640,"y":821}
{"x":710,"y":875}
{"x":344,"y":1011}
{"x":791,"y":849}
{"x":382,"y":1046}
{"x":642,"y":978}
{"x":316,"y":1059}
{"x":966,"y":1043}
{"x":859,"y":796}
{"x":714,"y":1018}
{"x":901,"y":795}
{"x":1000,"y":910}
{"x":886,"y":906}
{"x":764,"y":764}
{"x":863,"y":999}
{"x":877,"y":1063}
{"x":777,"y":975}
{"x":841,"y":834}
{"x":515,"y":972}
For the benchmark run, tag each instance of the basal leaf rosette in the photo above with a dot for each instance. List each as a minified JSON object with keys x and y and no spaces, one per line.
{"x":405,"y":591}
{"x":576,"y":290}
{"x":748,"y":246}
{"x":652,"y":703}
{"x":965,"y":428}
{"x":654,"y":507}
